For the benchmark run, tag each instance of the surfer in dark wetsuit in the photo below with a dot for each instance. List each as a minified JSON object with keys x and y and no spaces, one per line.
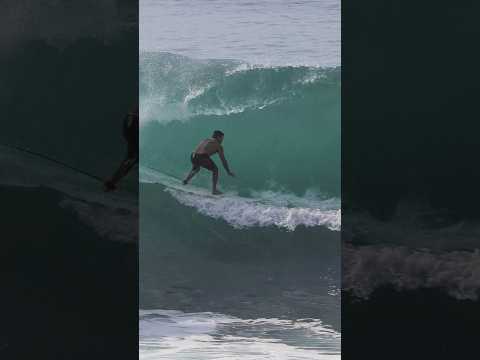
{"x":130,"y":133}
{"x":201,"y":158}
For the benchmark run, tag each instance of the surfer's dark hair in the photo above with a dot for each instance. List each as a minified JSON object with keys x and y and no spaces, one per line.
{"x":217,"y":134}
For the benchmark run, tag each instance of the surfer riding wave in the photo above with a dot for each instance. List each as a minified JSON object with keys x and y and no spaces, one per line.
{"x":130,"y":133}
{"x":201,"y":158}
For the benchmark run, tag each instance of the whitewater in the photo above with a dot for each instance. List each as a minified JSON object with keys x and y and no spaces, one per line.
{"x":111,"y":215}
{"x":266,"y":208}
{"x":203,"y":335}
{"x":269,"y":247}
{"x":254,"y":273}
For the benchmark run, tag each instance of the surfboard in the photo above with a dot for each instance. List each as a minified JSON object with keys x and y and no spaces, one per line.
{"x":174,"y":183}
{"x":194,"y":190}
{"x":203,"y":193}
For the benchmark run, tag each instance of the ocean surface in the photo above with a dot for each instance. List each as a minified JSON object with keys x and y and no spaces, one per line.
{"x":268,"y":32}
{"x":69,"y":254}
{"x":80,"y":193}
{"x":255,"y":273}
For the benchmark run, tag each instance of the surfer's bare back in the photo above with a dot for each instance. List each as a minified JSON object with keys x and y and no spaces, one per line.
{"x":201,"y":158}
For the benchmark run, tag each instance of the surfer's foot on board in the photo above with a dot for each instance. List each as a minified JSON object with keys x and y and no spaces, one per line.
{"x":216,"y":192}
{"x":184,"y":182}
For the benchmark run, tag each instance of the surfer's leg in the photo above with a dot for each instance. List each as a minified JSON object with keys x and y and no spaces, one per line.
{"x":192,"y":173}
{"x":122,"y":171}
{"x":215,"y":191}
{"x":127,"y":164}
{"x":208,"y":164}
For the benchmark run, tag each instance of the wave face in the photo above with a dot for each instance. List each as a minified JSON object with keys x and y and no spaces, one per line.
{"x":269,"y":248}
{"x":281,"y":124}
{"x":193,"y":262}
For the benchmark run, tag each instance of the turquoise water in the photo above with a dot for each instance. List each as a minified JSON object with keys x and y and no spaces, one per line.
{"x":281,"y":124}
{"x":257,"y":270}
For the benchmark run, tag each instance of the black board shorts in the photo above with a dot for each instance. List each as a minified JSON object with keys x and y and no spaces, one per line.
{"x":202,"y":160}
{"x":131,"y":133}
{"x":132,"y":150}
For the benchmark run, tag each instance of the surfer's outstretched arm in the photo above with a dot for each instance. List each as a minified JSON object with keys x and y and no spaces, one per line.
{"x":224,"y":161}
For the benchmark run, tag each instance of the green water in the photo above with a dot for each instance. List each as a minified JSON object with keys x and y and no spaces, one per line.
{"x":281,"y":125}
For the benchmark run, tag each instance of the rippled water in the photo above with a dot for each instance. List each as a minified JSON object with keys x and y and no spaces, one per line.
{"x":256,"y":272}
{"x":202,"y":336}
{"x":269,"y":32}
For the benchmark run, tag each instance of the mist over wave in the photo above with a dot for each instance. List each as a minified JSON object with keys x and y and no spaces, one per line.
{"x":174,"y":87}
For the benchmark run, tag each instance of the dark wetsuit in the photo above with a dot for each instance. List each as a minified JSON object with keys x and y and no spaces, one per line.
{"x":131,"y":133}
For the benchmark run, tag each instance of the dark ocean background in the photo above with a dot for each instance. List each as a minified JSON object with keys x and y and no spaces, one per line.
{"x":410,"y":192}
{"x":69,"y":258}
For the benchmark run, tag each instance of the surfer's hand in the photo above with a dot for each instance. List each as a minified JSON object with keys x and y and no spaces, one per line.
{"x":231,"y":174}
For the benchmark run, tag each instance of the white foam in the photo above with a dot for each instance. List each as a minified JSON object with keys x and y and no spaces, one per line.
{"x":228,"y":109}
{"x":245,"y":67}
{"x":313,"y":77}
{"x":115,"y":224}
{"x":311,"y":199}
{"x":113,"y":215}
{"x":195,"y":92}
{"x":365,"y":268}
{"x":159,"y":108}
{"x":266,"y":208}
{"x":243,"y":212}
{"x":166,"y":334}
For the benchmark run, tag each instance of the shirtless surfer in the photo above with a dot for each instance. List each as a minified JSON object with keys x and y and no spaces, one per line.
{"x":201,"y":158}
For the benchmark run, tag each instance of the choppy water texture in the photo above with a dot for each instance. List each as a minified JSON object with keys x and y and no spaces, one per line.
{"x":210,"y":335}
{"x":255,"y":273}
{"x":269,"y":32}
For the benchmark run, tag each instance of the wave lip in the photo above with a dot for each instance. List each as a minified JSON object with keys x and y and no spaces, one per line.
{"x":174,"y":87}
{"x":282,"y":124}
{"x":265,"y":208}
{"x":243,"y":212}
